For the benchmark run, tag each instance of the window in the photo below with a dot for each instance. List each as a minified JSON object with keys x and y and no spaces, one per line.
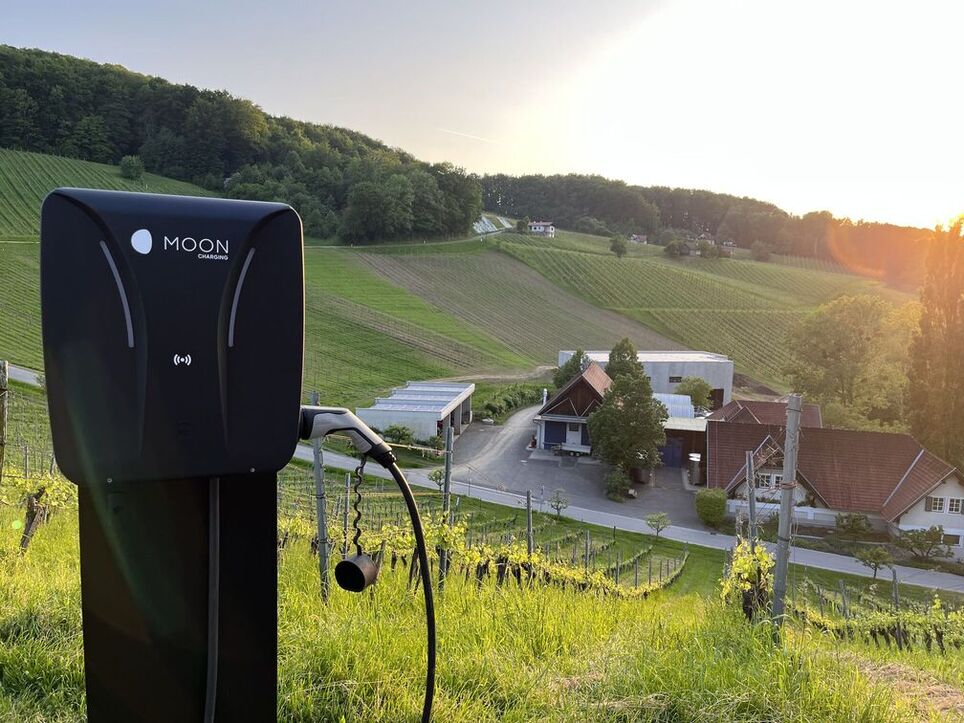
{"x":777,"y":480}
{"x":952,"y":540}
{"x":955,"y":505}
{"x":933,"y":504}
{"x":574,"y":426}
{"x":675,"y":380}
{"x":762,"y":480}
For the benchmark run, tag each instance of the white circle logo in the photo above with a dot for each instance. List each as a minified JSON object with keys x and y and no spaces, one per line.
{"x":141,"y":241}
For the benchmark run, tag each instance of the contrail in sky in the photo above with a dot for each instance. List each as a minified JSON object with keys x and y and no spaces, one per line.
{"x":467,"y":135}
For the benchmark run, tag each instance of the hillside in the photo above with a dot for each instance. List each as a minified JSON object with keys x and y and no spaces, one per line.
{"x":364,"y":332}
{"x":740,"y":308}
{"x":25,"y":178}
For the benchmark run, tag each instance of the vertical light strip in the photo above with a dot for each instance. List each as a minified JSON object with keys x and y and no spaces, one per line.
{"x":122,"y":292}
{"x":237,"y":295}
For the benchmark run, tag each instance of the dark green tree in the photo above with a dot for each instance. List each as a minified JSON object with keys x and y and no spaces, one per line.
{"x":627,"y":427}
{"x":618,"y":246}
{"x":936,"y":400}
{"x":624,"y":361}
{"x":132,"y":168}
{"x":570,"y":368}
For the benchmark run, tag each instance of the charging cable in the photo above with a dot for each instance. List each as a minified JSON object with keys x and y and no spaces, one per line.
{"x":319,"y":422}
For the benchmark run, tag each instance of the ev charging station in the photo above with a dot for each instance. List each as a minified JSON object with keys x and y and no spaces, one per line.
{"x":173,"y":332}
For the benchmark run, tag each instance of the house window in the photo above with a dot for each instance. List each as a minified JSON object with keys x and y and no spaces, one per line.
{"x":777,"y":480}
{"x":574,"y":426}
{"x":955,"y":505}
{"x":675,"y":380}
{"x":933,"y":504}
{"x":952,"y":540}
{"x":762,"y":480}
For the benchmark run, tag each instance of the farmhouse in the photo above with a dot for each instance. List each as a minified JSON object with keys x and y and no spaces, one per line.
{"x":542,"y":228}
{"x":562,"y":423}
{"x":666,"y":369}
{"x":427,"y":408}
{"x":889,"y":477}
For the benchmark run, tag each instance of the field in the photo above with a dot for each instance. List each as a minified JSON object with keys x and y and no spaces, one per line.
{"x":740,"y":308}
{"x":506,"y":652}
{"x":25,"y":178}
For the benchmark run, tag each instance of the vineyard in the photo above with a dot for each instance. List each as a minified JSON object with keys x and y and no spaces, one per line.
{"x":529,"y":314}
{"x":592,"y":624}
{"x":26,"y":178}
{"x":739,"y":308}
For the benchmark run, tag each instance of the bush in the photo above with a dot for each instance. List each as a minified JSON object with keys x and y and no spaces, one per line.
{"x":617,"y":485}
{"x":399,"y":434}
{"x":853,"y":525}
{"x":132,"y":167}
{"x":588,"y":224}
{"x":674,"y":249}
{"x":760,"y":251}
{"x":711,"y":506}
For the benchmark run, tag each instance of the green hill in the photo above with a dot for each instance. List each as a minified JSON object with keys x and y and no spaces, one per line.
{"x":737,"y":307}
{"x":25,"y":178}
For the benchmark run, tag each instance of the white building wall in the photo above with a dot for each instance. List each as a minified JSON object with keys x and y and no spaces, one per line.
{"x":917,"y":518}
{"x":424,"y":425}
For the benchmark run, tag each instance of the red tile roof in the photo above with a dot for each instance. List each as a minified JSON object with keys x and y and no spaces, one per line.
{"x":847,"y":470}
{"x":759,"y":412}
{"x":595,"y":378}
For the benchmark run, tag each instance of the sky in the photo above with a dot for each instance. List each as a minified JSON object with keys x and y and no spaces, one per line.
{"x":851,"y":106}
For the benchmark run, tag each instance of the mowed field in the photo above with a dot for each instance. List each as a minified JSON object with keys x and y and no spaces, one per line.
{"x":740,"y":308}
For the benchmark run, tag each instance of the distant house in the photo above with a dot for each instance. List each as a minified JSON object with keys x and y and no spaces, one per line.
{"x":639,"y":238}
{"x":889,"y":477}
{"x":542,"y":228}
{"x":562,"y":422}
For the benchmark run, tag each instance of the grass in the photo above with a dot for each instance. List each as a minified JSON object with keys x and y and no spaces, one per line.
{"x":526,"y":312}
{"x":740,"y":308}
{"x":505,"y":653}
{"x":26,"y":178}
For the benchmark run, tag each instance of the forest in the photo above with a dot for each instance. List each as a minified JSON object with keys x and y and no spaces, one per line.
{"x":342,"y":183}
{"x":594,"y":204}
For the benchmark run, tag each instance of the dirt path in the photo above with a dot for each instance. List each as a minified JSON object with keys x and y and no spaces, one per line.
{"x":924,"y":691}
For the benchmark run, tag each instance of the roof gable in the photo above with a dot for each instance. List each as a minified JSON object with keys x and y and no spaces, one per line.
{"x":581,"y":395}
{"x":848,"y":470}
{"x":765,"y":412}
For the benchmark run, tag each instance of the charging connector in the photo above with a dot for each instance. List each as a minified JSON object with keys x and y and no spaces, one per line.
{"x":317,"y":423}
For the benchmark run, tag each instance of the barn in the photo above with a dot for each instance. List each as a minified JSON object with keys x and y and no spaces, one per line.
{"x":427,"y":408}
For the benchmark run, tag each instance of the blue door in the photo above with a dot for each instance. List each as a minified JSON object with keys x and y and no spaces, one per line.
{"x":672,"y":452}
{"x":555,"y":434}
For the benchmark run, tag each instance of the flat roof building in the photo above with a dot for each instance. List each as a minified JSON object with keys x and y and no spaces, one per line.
{"x":666,"y":369}
{"x":427,"y":408}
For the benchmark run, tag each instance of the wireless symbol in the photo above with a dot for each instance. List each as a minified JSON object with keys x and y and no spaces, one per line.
{"x":178,"y":360}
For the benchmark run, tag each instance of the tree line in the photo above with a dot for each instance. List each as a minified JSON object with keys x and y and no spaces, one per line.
{"x":594,"y":204}
{"x":341,"y":182}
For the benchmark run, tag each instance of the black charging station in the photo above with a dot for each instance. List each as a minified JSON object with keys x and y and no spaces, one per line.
{"x":173,"y":335}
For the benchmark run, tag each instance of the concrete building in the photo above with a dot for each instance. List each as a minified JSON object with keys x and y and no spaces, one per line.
{"x":889,"y":477}
{"x":666,"y":369}
{"x":427,"y":408}
{"x":542,"y":228}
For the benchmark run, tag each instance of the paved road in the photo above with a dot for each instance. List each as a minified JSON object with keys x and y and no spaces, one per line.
{"x":505,"y":441}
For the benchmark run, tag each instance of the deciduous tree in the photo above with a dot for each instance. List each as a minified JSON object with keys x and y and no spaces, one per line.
{"x":627,"y":428}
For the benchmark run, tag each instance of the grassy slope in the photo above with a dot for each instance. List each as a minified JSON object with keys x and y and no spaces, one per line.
{"x":741,"y":308}
{"x":505,"y":654}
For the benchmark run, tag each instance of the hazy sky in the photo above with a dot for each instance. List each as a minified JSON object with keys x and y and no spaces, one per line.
{"x":853,"y":106}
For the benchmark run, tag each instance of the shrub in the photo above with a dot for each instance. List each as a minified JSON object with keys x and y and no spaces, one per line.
{"x":132,"y":167}
{"x":588,"y":224}
{"x":399,"y":434}
{"x":674,"y":249}
{"x":617,"y":485}
{"x":760,"y":251}
{"x":711,"y":506}
{"x":853,"y":525}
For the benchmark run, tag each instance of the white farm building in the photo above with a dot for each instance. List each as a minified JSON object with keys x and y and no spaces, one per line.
{"x":666,"y":369}
{"x":427,"y":408}
{"x":542,"y":228}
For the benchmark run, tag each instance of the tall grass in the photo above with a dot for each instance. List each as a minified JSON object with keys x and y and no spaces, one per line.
{"x":505,"y":653}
